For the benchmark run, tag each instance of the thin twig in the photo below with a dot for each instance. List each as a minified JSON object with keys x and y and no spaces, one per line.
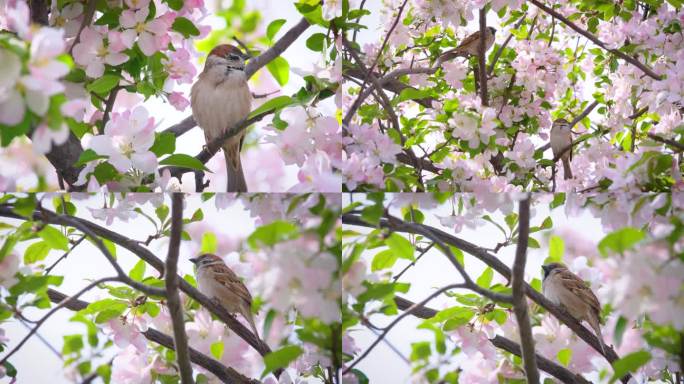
{"x":180,"y":339}
{"x":670,"y":142}
{"x":648,"y":71}
{"x":519,"y":300}
{"x":64,"y":256}
{"x":52,"y":311}
{"x":394,"y":322}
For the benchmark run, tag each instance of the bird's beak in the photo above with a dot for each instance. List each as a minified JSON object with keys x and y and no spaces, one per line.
{"x":194,"y":260}
{"x":246,"y":56}
{"x":546,"y":269}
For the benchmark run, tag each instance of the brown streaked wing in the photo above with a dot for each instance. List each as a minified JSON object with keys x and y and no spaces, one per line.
{"x":469,"y":39}
{"x":577,"y":286}
{"x":228,"y":278}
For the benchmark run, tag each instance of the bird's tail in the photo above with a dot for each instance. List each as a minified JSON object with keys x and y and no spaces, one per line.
{"x":234,"y":174}
{"x":250,"y":319}
{"x":451,"y":54}
{"x":567,"y":171}
{"x":594,"y":322}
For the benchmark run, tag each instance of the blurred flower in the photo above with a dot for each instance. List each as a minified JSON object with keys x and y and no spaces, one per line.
{"x":43,"y":137}
{"x":203,"y":331}
{"x":178,"y":101}
{"x":8,"y":268}
{"x":131,"y":367}
{"x":69,"y":17}
{"x":317,"y":176}
{"x":179,"y":66}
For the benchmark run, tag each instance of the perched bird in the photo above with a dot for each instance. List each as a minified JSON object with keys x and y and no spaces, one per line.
{"x":218,"y":282}
{"x":561,"y":145}
{"x":220,"y":98}
{"x":566,"y":289}
{"x":470,"y":46}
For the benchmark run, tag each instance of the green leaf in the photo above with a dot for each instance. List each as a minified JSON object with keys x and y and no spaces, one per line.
{"x":176,"y":5}
{"x":620,"y":327}
{"x":185,"y":27}
{"x":316,"y":42}
{"x":72,"y":343}
{"x":138,"y":271}
{"x":164,"y":143}
{"x":104,"y":84}
{"x":533,"y":243}
{"x":274,"y":27}
{"x":87,"y":156}
{"x":556,"y":249}
{"x":184,"y":161}
{"x":620,"y":240}
{"x":217,"y":350}
{"x":564,"y":356}
{"x":272,"y":104}
{"x":485,"y":279}
{"x":400,"y":246}
{"x":558,"y":200}
{"x":280,"y":69}
{"x":420,"y":350}
{"x":413,"y":94}
{"x":209,"y":243}
{"x":272,"y":233}
{"x":280,"y":358}
{"x":383,"y":260}
{"x":162,"y":212}
{"x":629,"y":363}
{"x":54,"y":238}
{"x":36,"y":252}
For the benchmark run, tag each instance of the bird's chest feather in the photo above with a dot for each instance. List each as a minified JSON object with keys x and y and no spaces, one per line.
{"x":560,"y":139}
{"x":219,"y":103}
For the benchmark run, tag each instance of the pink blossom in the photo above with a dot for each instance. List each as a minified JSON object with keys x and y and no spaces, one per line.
{"x":127,"y":332}
{"x":17,"y":14}
{"x":69,"y":18}
{"x":92,"y":53}
{"x":180,"y":67}
{"x":203,"y":331}
{"x":523,"y":152}
{"x":126,"y":141}
{"x":122,"y":211}
{"x":317,"y":175}
{"x":454,"y":73}
{"x":152,"y":35}
{"x":137,"y":4}
{"x":297,"y":274}
{"x":130,"y":366}
{"x":41,"y":82}
{"x":294,"y":142}
{"x":8,"y":268}
{"x":178,"y":101}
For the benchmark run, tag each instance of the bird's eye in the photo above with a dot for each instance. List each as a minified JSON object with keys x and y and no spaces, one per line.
{"x":233,"y":56}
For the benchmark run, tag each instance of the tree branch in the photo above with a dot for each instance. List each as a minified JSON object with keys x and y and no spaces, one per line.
{"x":497,"y":265}
{"x":647,"y":70}
{"x":278,"y":48}
{"x":172,"y":296}
{"x":548,"y":366}
{"x":519,"y":300}
{"x":574,"y":122}
{"x":468,"y":282}
{"x":481,"y":59}
{"x":88,"y":13}
{"x":225,"y":374}
{"x":677,"y":145}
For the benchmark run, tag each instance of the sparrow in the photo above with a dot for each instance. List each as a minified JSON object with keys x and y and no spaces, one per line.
{"x":220,"y":98}
{"x":218,"y":282}
{"x":567,"y":290}
{"x":470,"y":46}
{"x":561,"y":140}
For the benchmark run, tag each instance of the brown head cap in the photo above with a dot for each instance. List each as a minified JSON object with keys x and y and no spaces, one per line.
{"x":225,"y":50}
